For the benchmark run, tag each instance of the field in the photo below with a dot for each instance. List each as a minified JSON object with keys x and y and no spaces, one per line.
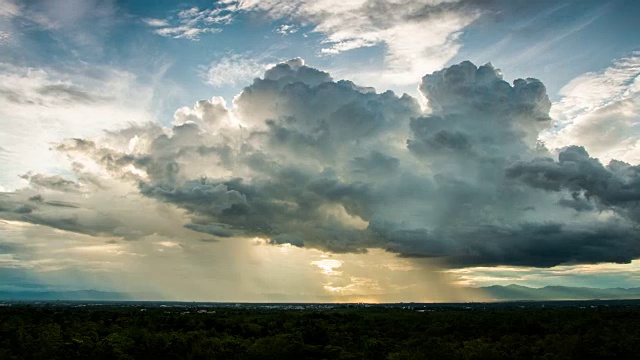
{"x":528,"y":330}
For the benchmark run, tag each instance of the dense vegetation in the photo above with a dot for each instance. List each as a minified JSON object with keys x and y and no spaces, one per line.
{"x":130,"y":332}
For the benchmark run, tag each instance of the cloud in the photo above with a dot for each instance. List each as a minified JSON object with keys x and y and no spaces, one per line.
{"x":95,"y":205}
{"x":39,"y":106}
{"x":9,"y":8}
{"x":191,"y":23}
{"x":601,"y":111}
{"x":155,"y":22}
{"x":232,"y":70}
{"x":54,"y":182}
{"x":205,"y":113}
{"x":418,"y":36}
{"x":590,"y":275}
{"x":614,"y":187}
{"x":304,"y":160}
{"x":475,"y":111}
{"x":4,"y":37}
{"x":72,"y":24}
{"x":65,"y":14}
{"x":286,"y":29}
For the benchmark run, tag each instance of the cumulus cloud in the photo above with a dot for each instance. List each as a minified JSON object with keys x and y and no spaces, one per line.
{"x":205,"y":113}
{"x":305,"y":160}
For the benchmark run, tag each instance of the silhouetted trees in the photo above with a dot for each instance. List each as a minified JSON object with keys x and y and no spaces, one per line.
{"x":57,"y":332}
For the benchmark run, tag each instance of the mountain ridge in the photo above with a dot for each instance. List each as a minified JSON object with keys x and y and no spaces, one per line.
{"x":511,"y":292}
{"x":48,"y":295}
{"x":557,"y":292}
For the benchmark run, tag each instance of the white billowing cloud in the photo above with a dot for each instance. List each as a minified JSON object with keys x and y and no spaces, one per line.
{"x":207,"y":114}
{"x":233,"y":70}
{"x":39,"y":106}
{"x":419,"y":36}
{"x":193,"y":22}
{"x":602,"y":112}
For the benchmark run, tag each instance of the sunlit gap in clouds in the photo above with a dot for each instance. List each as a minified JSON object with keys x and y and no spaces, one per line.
{"x":375,"y":276}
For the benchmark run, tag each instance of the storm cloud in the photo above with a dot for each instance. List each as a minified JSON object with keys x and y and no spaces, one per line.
{"x":302,"y":159}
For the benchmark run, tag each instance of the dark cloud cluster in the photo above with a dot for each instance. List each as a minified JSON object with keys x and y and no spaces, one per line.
{"x":477,"y":113}
{"x":614,"y":187}
{"x":305,"y":160}
{"x":54,"y":182}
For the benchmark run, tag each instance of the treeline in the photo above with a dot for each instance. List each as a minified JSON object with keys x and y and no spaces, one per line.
{"x":30,"y":332}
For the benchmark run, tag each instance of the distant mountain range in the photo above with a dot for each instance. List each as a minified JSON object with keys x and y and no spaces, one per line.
{"x":496,"y":292}
{"x":63,"y":295}
{"x":517,"y":292}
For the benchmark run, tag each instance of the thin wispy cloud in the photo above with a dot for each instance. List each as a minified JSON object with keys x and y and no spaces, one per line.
{"x":9,"y":8}
{"x":191,"y":23}
{"x":40,"y":105}
{"x":418,"y":36}
{"x":286,"y":29}
{"x":602,"y":111}
{"x":233,"y":69}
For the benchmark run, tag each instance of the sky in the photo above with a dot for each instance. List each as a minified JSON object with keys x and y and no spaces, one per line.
{"x":352,"y":150}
